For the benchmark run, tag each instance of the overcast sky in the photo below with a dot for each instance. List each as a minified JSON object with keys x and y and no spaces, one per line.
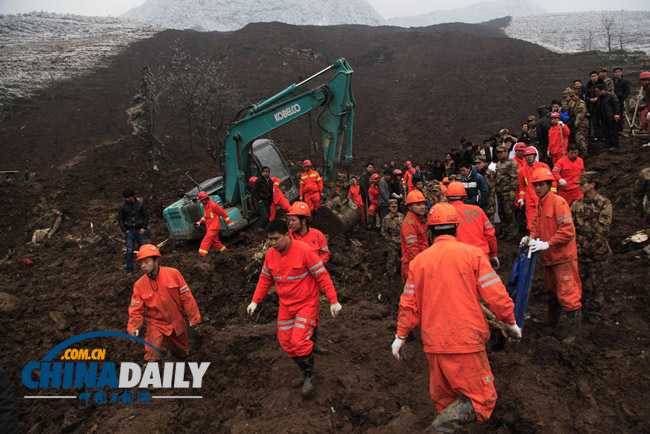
{"x":386,"y":8}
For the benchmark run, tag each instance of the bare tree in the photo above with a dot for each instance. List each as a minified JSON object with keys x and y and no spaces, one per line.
{"x":621,"y":31}
{"x":587,"y":39}
{"x":144,"y":114}
{"x":609,"y":22}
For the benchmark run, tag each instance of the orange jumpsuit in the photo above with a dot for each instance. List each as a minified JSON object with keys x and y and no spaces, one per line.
{"x":569,"y":171}
{"x":527,"y":192}
{"x":475,"y":228}
{"x":442,"y":295}
{"x":407,"y":181}
{"x":311,"y":188}
{"x":165,"y":302}
{"x":557,"y":142}
{"x":373,"y":199}
{"x":356,"y":197}
{"x":414,"y":239}
{"x":278,"y":200}
{"x":553,"y":223}
{"x":316,"y":240}
{"x":520,"y":162}
{"x":212,"y":214}
{"x":298,"y":273}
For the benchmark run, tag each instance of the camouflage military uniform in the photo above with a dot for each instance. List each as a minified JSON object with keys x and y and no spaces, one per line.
{"x":592,"y":218}
{"x":491,"y":179}
{"x":580,"y":125}
{"x":641,"y":194}
{"x":506,"y":185}
{"x":390,"y":229}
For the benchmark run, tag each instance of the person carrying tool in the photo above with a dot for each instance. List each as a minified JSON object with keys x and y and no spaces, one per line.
{"x":553,"y":234}
{"x":298,"y":274}
{"x":474,"y":227}
{"x":413,"y":235}
{"x":311,"y":186}
{"x":212,"y":214}
{"x":567,"y":172}
{"x":162,"y":298}
{"x":527,"y":196}
{"x":278,"y":199}
{"x":133,"y":217}
{"x":558,"y":138}
{"x":442,"y":294}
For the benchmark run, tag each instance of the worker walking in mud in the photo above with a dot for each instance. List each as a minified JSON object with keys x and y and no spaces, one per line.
{"x":391,"y":229}
{"x":298,"y":274}
{"x":162,"y":298}
{"x":212,"y":214}
{"x":414,"y":236}
{"x":133,"y":217}
{"x":553,"y":234}
{"x":311,"y":186}
{"x":442,"y":294}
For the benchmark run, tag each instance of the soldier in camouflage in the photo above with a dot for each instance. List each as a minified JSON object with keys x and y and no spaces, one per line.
{"x":641,"y":194}
{"x":532,"y":130}
{"x":592,"y":217}
{"x":506,"y":185}
{"x":490,"y":179}
{"x":578,"y":114}
{"x":390,"y":230}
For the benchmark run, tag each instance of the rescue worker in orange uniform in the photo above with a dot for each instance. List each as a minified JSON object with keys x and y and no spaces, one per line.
{"x":414,"y":237}
{"x":520,"y":148}
{"x":558,"y":138}
{"x":527,"y":196}
{"x":311,"y":186}
{"x":373,"y":199}
{"x":278,"y":199}
{"x":163,"y":299}
{"x":553,"y":234}
{"x":407,"y":181}
{"x":567,"y":173}
{"x":441,"y":294}
{"x":299,"y":230}
{"x":355,"y":194}
{"x":298,"y":274}
{"x":212,"y":214}
{"x":474,"y":227}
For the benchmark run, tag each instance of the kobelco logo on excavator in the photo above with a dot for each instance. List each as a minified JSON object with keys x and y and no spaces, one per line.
{"x":289,"y":111}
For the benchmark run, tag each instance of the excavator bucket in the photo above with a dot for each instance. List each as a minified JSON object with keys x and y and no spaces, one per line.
{"x":337,"y":215}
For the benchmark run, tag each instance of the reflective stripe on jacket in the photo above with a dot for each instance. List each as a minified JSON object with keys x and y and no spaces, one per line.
{"x":315,"y":239}
{"x":413,"y":237}
{"x":211,"y":215}
{"x":553,"y":223}
{"x":311,"y":182}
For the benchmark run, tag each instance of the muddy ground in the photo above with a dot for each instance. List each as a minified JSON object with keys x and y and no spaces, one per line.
{"x":76,"y":282}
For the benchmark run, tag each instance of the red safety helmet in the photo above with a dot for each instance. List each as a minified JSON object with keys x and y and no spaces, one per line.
{"x":455,"y":189}
{"x":555,"y":115}
{"x":644,"y":75}
{"x":415,"y":196}
{"x":445,"y":180}
{"x":542,"y":174}
{"x":203,"y":195}
{"x":374,"y":177}
{"x":252,"y":180}
{"x":408,"y":163}
{"x":306,"y":163}
{"x":397,"y":172}
{"x":299,"y":208}
{"x":443,"y":213}
{"x":147,"y":251}
{"x":530,"y":150}
{"x":521,"y":146}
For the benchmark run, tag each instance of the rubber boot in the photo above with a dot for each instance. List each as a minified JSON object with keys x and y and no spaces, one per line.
{"x":317,"y":348}
{"x":298,"y":381}
{"x":307,"y":385}
{"x":574,"y":319}
{"x":458,"y":414}
{"x":554,"y":312}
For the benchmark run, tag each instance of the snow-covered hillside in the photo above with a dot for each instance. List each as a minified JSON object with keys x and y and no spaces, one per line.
{"x":38,"y":48}
{"x":584,"y":31}
{"x":476,"y":13}
{"x":226,"y":15}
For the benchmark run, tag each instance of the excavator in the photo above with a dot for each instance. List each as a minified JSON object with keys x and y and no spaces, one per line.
{"x":245,"y":153}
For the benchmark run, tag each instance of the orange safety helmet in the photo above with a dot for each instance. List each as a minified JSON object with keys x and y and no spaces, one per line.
{"x":203,"y":195}
{"x":443,"y":213}
{"x":252,"y":180}
{"x":455,"y":189}
{"x":542,"y":174}
{"x":644,"y":75}
{"x":415,"y":196}
{"x":306,"y":163}
{"x":147,"y":251}
{"x":374,"y":177}
{"x":445,"y":180}
{"x":555,"y":115}
{"x":530,"y":151}
{"x":521,"y":146}
{"x":397,"y":172}
{"x":299,"y":208}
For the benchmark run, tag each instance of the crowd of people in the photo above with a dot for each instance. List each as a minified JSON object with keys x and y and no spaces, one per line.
{"x":441,"y":221}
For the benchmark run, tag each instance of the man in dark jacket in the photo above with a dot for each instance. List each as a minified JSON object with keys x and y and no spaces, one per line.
{"x":591,"y":98}
{"x":476,"y":188}
{"x":133,"y":218}
{"x":384,"y":193}
{"x":263,"y":195}
{"x":622,"y":88}
{"x":543,"y":126}
{"x":609,"y":113}
{"x":364,"y":184}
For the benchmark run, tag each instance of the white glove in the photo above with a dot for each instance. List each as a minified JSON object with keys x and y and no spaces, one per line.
{"x":494,"y":262}
{"x":548,"y":153}
{"x":538,"y":245}
{"x":398,"y":343}
{"x":511,"y":331}
{"x":231,"y":224}
{"x":560,"y":123}
{"x":135,"y":333}
{"x":251,"y":308}
{"x":521,"y":202}
{"x":197,"y":224}
{"x":563,"y":183}
{"x":335,"y":308}
{"x":524,"y":241}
